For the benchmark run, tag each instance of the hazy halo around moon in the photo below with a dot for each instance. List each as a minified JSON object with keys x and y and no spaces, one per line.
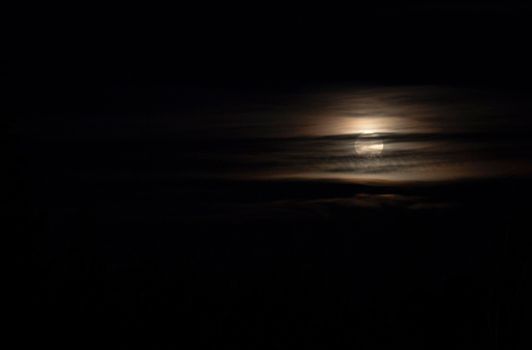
{"x":368,"y":145}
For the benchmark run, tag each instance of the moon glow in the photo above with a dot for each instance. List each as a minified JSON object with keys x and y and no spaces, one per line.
{"x":368,"y":145}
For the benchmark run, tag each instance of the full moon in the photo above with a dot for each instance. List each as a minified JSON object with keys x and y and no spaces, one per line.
{"x":368,"y":145}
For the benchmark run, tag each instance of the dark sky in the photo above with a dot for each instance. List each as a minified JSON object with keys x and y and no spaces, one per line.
{"x":266,"y":45}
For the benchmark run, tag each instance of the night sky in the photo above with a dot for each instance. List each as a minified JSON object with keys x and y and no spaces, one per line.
{"x":260,"y":177}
